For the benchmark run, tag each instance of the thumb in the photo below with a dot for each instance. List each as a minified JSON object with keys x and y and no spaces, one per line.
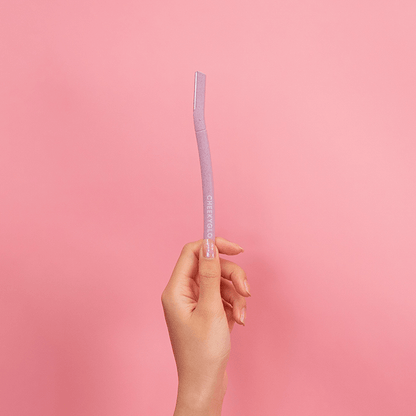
{"x":209,"y":274}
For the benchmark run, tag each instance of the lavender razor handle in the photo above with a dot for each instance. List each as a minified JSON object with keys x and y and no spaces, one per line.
{"x":204,"y":156}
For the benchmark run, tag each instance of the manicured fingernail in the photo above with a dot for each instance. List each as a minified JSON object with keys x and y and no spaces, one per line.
{"x":208,"y":248}
{"x":241,"y":248}
{"x":243,"y":315}
{"x":247,"y":287}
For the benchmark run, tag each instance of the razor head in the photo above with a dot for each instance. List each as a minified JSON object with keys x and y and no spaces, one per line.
{"x":199,"y":101}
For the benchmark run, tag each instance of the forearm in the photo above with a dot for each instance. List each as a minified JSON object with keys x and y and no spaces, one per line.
{"x":199,"y":401}
{"x":184,"y":408}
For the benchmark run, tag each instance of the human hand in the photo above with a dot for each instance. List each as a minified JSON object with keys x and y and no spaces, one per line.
{"x":202,"y":300}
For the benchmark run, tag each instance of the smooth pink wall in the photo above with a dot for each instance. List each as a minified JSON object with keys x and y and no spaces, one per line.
{"x":310,"y":111}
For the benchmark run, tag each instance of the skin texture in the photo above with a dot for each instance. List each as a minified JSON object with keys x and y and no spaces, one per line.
{"x":201,"y":302}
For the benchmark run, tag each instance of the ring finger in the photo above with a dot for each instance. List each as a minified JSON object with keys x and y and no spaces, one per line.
{"x":238,"y":302}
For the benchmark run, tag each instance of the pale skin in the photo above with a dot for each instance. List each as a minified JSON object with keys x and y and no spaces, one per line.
{"x":201,"y":302}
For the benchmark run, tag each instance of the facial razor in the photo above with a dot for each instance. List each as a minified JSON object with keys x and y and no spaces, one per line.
{"x":204,"y":156}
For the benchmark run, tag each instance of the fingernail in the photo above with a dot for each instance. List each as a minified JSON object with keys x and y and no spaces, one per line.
{"x":208,"y":248}
{"x":243,"y":315}
{"x":241,"y":248}
{"x":247,"y":287}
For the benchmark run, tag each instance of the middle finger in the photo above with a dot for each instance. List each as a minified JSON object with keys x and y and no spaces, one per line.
{"x":236,"y":274}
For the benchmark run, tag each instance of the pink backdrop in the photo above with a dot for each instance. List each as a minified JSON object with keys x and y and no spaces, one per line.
{"x":310,"y":112}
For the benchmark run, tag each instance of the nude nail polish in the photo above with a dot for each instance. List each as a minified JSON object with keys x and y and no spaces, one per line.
{"x":243,"y":315}
{"x":208,"y":248}
{"x":247,"y":287}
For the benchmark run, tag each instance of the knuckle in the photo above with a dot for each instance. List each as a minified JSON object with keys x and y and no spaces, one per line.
{"x":233,"y":274}
{"x":208,"y":273}
{"x":237,"y":273}
{"x":186,"y":248}
{"x":242,"y":273}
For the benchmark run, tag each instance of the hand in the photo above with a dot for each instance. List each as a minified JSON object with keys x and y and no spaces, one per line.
{"x":202,"y":300}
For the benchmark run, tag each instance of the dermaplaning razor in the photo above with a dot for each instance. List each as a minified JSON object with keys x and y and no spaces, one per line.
{"x":204,"y":156}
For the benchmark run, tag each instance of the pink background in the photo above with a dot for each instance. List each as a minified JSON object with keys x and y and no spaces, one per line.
{"x":310,"y":111}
